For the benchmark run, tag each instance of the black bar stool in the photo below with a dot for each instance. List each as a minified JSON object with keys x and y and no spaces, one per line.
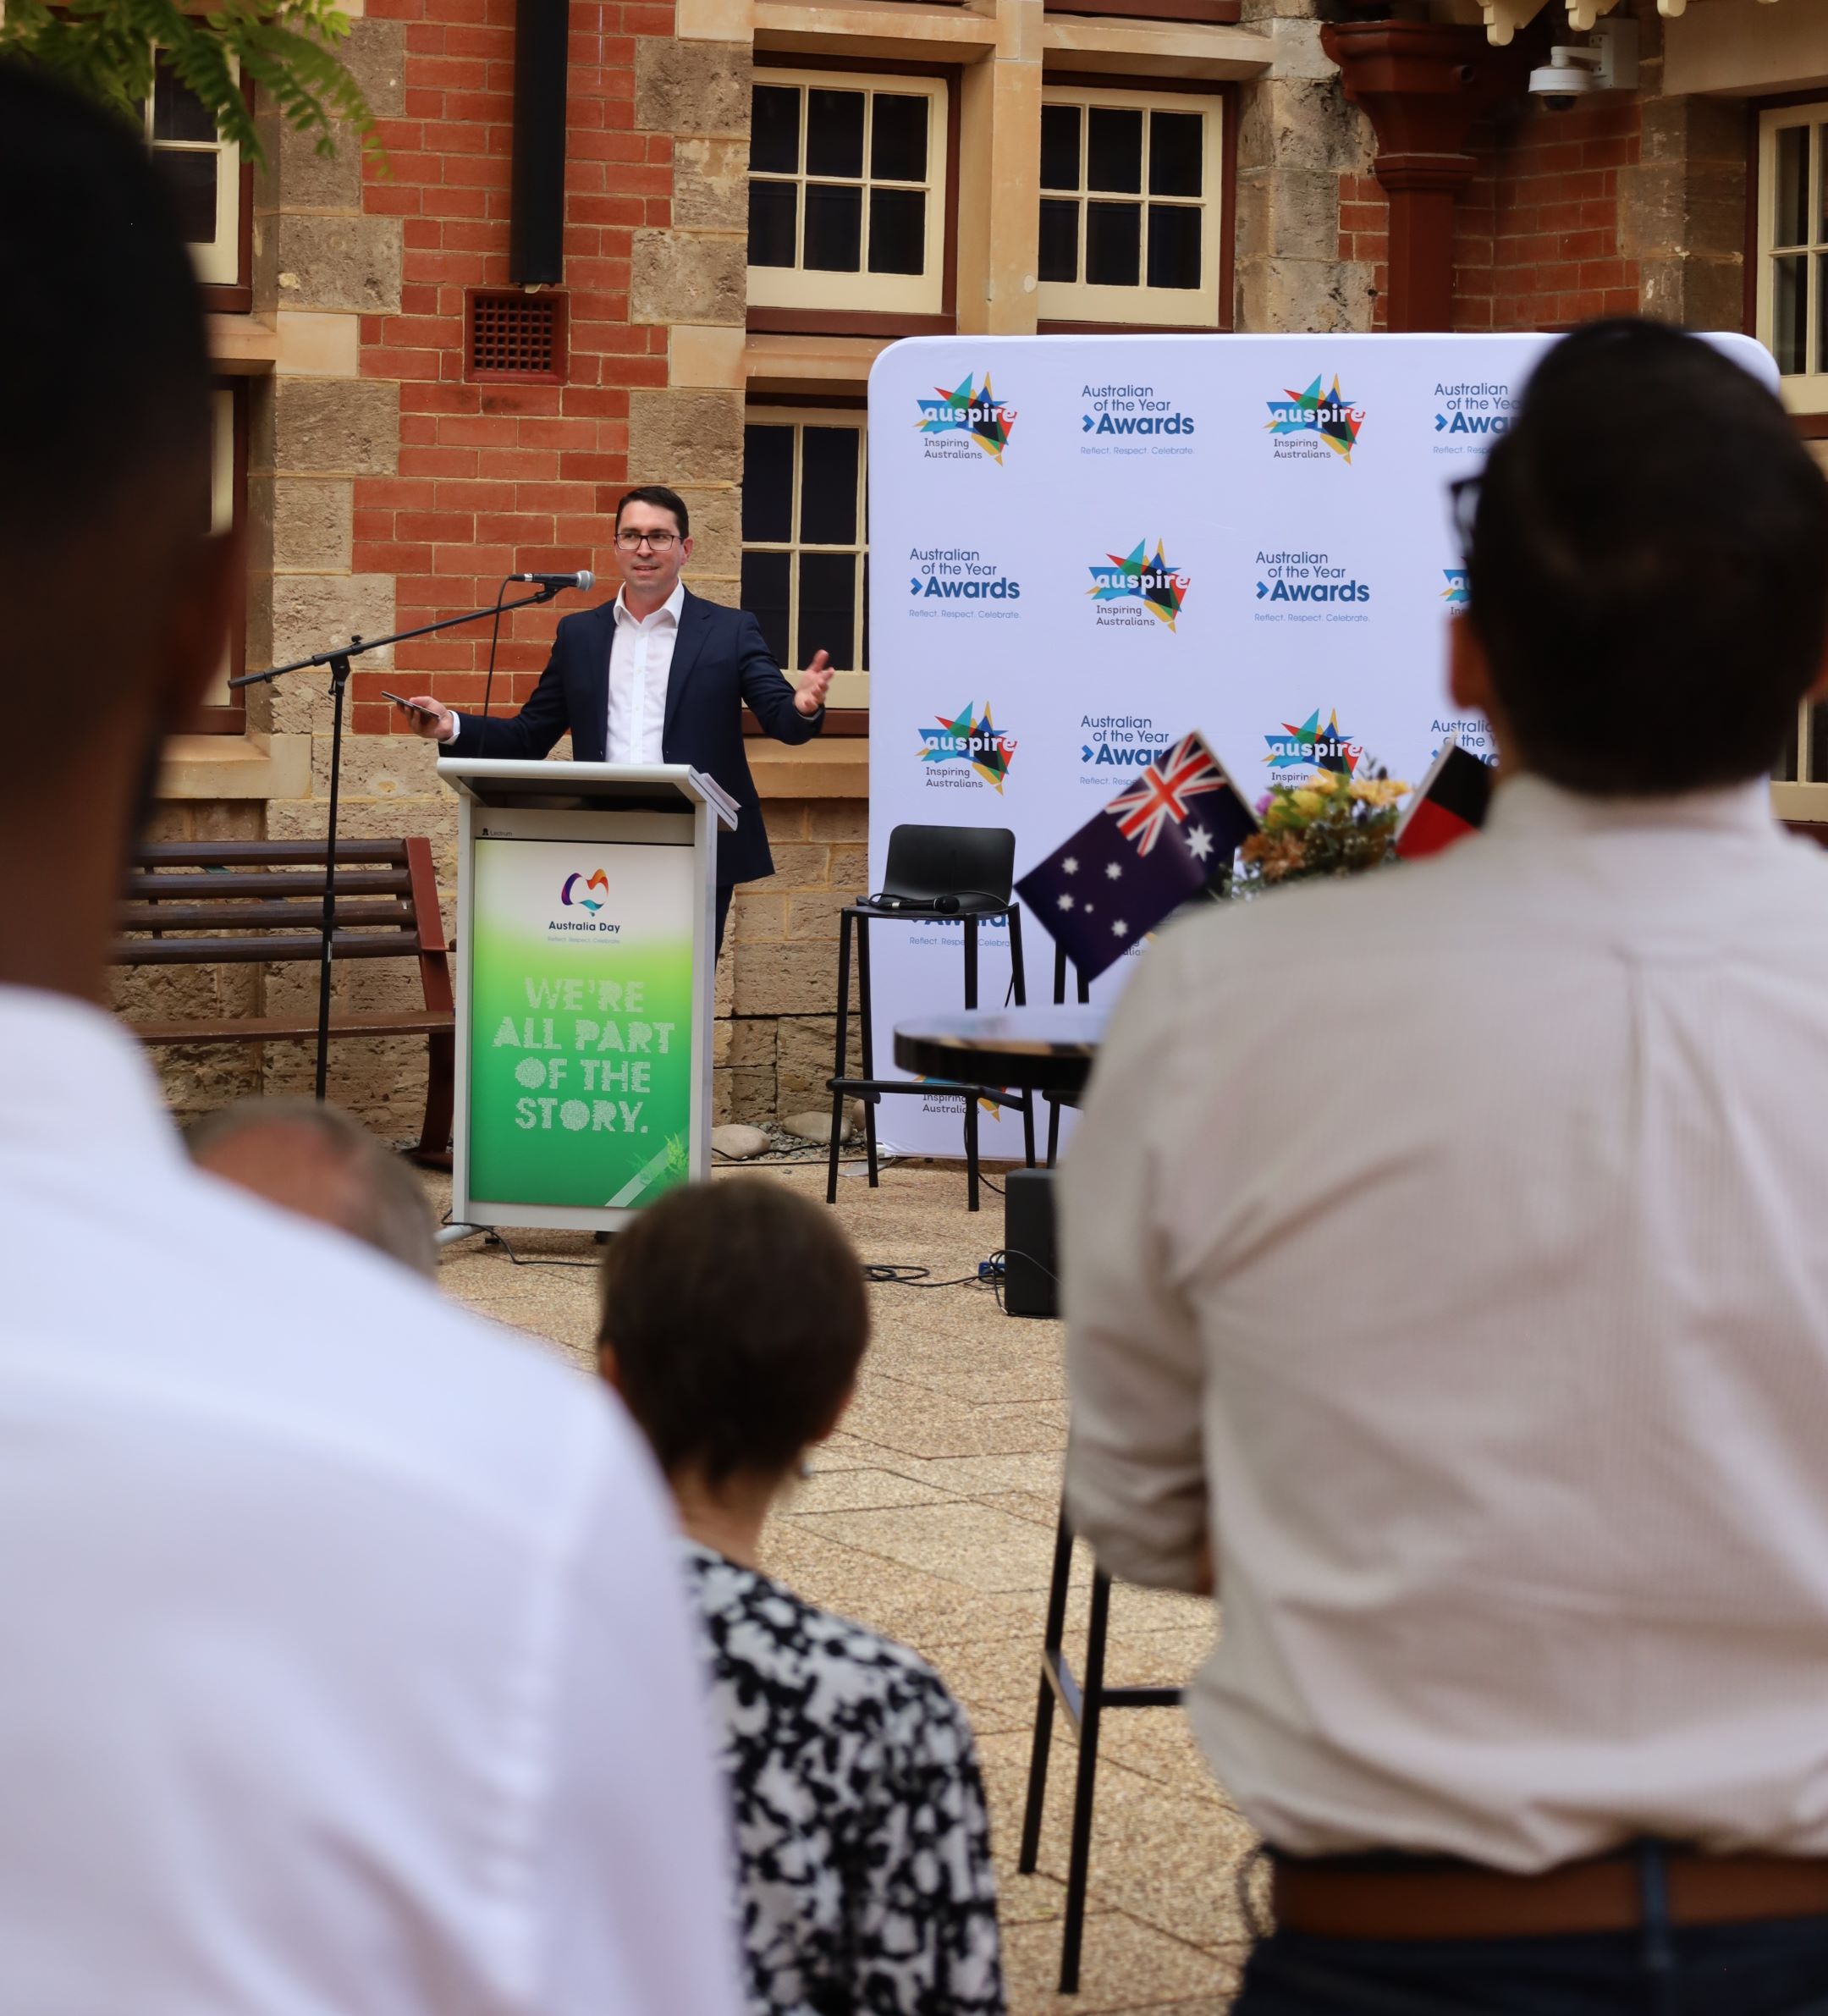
{"x":1084,"y":1707}
{"x":954,"y":873}
{"x":1055,"y":1100}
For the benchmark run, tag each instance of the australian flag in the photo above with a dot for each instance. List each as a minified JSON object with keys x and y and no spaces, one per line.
{"x":1151,"y":848}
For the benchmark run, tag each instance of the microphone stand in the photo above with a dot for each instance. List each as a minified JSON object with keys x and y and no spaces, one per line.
{"x":337,"y":660}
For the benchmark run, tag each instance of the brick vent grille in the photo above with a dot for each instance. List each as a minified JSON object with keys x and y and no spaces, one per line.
{"x":515,"y":335}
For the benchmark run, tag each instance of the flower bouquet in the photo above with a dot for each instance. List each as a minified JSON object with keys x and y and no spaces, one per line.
{"x":1326,"y":824}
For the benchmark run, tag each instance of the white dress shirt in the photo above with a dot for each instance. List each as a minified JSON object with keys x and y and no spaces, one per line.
{"x":641,"y":662}
{"x":347,"y":1670}
{"x":1449,"y":1247}
{"x":640,"y":658}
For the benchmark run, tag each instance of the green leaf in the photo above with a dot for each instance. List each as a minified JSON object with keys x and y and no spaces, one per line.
{"x":287,"y":49}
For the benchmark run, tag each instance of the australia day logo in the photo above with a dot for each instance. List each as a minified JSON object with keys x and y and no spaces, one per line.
{"x":1133,"y":591}
{"x":958,"y":580}
{"x":1313,"y":425}
{"x":570,"y":894}
{"x":957,"y":425}
{"x":972,"y":742}
{"x":1309,"y":747}
{"x":1132,"y":420}
{"x":587,"y":893}
{"x":1468,"y":416}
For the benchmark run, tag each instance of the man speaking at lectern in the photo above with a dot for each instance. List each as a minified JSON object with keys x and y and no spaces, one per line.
{"x":658,"y":676}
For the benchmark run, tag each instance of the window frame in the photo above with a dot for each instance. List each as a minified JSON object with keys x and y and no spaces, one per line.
{"x":225,"y":268}
{"x":1062,"y":305}
{"x":1803,"y":392}
{"x":848,"y":703}
{"x":796,"y":299}
{"x":223,"y":710}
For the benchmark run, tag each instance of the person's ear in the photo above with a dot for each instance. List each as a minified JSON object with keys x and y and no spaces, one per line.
{"x":204,"y":597}
{"x":610,"y":1366}
{"x":685,"y":550}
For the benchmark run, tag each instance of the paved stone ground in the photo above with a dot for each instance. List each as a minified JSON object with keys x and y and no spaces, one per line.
{"x":931,"y":1515}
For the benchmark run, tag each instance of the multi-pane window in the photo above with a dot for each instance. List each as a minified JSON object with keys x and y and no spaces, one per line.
{"x":805,"y":563}
{"x":847,"y":192}
{"x":1793,"y":314}
{"x":204,"y":173}
{"x":1130,"y":190}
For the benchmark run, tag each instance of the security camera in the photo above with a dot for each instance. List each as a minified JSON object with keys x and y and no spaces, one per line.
{"x":1609,"y":62}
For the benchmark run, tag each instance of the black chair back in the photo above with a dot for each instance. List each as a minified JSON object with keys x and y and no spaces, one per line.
{"x":966,"y":861}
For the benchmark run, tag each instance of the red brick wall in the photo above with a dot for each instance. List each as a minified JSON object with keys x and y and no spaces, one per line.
{"x":1536,"y":241}
{"x":1364,"y":234}
{"x":501,"y":478}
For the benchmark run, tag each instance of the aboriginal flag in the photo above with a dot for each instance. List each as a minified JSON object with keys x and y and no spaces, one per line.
{"x":1154,"y":847}
{"x":1449,"y":802}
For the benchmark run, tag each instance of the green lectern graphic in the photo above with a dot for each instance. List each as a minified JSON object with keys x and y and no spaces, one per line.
{"x":585,"y":957}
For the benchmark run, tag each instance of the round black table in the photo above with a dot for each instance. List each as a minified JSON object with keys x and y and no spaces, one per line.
{"x":1038,"y":1049}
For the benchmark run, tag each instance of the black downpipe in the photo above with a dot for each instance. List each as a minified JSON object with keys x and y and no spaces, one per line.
{"x":536,"y":230}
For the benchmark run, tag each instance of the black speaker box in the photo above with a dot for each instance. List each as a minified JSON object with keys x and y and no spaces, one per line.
{"x":535,"y":217}
{"x":1031,"y":1271}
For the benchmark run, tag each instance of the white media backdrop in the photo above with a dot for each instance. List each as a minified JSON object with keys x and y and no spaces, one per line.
{"x":1082,"y":547}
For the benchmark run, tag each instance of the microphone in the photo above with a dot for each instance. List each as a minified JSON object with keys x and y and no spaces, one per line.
{"x":583,"y":579}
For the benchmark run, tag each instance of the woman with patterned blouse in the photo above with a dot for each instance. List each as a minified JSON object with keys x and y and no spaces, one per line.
{"x":734,"y":1318}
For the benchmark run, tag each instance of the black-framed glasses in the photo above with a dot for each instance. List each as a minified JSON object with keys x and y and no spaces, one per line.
{"x":632,"y":541}
{"x":1462,"y":508}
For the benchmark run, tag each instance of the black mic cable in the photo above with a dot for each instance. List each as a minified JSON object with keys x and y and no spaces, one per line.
{"x":494,"y":632}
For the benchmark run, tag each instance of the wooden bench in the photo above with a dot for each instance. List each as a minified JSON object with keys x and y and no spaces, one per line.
{"x":260,"y":902}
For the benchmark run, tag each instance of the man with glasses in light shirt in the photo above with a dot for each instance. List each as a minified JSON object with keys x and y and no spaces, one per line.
{"x":658,"y":676}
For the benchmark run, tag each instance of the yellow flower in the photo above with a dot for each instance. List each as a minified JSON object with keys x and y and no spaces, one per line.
{"x":1308,"y":801}
{"x":1365,"y":792}
{"x":1278,"y":814}
{"x":1323,"y":781}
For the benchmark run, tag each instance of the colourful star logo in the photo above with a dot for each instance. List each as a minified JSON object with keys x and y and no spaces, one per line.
{"x":973,"y":411}
{"x":972,"y":739}
{"x":1455,"y":594}
{"x":1157,"y":583}
{"x":1331,"y":415}
{"x":1312,"y":747}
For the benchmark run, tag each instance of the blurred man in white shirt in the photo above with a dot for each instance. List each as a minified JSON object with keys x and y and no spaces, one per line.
{"x":347,"y":1672}
{"x":1447,"y":1276}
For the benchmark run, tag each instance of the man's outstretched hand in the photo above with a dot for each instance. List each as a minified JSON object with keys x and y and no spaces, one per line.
{"x":428,"y":718}
{"x":814,"y":683}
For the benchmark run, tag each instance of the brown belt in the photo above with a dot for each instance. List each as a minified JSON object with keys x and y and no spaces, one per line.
{"x":1340,"y":1899}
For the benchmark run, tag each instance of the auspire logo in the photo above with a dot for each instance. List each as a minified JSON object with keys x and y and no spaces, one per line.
{"x":968,"y":418}
{"x":1314,"y":425}
{"x":599,"y":881}
{"x":972,"y":740}
{"x":1309,"y":747}
{"x":1456,"y":594}
{"x":1157,"y":584}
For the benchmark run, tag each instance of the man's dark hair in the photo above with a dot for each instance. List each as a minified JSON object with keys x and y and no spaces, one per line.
{"x":104,"y":358}
{"x":738,"y":1316}
{"x":1648,"y":571}
{"x":662,"y":500}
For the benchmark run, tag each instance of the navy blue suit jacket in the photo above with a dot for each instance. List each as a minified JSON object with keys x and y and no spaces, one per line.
{"x":719,"y":662}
